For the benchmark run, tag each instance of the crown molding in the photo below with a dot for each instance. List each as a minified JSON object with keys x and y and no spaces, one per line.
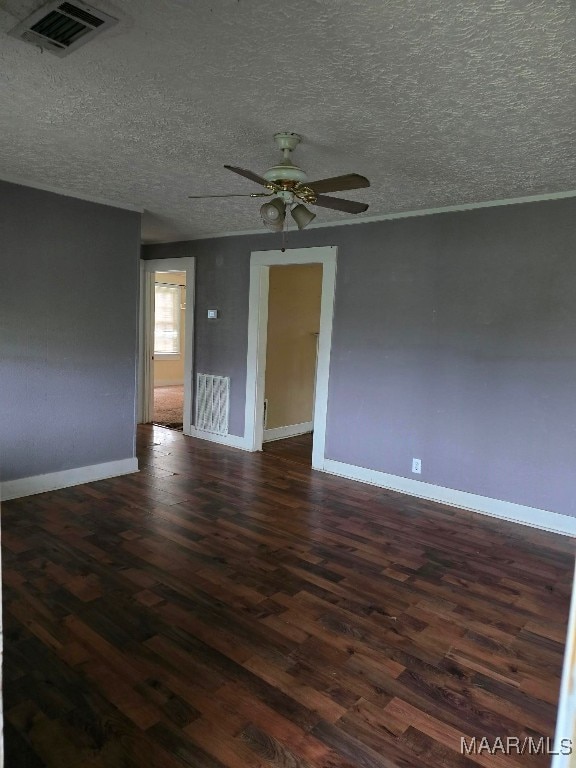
{"x":362,"y":219}
{"x":67,"y":193}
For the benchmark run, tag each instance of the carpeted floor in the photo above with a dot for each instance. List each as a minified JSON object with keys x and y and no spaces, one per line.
{"x":168,"y":406}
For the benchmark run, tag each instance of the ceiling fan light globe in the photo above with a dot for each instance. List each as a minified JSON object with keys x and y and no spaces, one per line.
{"x":302,"y":216}
{"x":273,"y":212}
{"x":274,"y":227}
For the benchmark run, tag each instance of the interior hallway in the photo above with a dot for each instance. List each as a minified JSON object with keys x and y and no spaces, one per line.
{"x":221,"y":608}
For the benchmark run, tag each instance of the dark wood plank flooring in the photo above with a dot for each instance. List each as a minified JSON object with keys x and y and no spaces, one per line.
{"x":297,"y":449}
{"x":221,"y":608}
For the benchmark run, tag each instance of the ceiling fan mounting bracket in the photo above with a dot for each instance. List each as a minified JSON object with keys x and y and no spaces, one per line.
{"x":287,"y":141}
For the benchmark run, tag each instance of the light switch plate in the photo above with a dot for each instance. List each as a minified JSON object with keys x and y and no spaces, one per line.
{"x":212,"y":314}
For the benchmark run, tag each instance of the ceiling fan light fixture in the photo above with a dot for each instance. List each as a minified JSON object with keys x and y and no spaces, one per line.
{"x":274,"y":227}
{"x":273,"y":212}
{"x":302,"y":216}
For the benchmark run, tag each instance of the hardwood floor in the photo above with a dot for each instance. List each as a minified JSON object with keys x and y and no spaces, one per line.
{"x":221,"y":608}
{"x":297,"y":449}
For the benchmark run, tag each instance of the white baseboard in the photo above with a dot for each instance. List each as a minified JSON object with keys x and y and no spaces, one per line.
{"x":27,"y":486}
{"x":169,"y":383}
{"x":279,"y":433}
{"x":232,"y":441}
{"x":505,"y":510}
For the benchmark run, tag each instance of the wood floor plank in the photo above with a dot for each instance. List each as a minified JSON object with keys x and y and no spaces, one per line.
{"x":221,"y":609}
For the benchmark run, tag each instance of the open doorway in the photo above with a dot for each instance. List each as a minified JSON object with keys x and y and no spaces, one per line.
{"x":294,"y":300}
{"x":169,"y":347}
{"x":166,"y":342}
{"x":261,"y":263}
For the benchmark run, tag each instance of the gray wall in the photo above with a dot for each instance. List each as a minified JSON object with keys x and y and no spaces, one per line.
{"x":454,"y":342}
{"x":68,"y":322}
{"x":222,"y":282}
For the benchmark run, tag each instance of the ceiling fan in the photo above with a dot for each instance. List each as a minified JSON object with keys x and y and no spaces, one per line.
{"x":289,"y":188}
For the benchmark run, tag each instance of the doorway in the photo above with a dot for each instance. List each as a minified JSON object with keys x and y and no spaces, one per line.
{"x":294,"y":298}
{"x":260,"y":266}
{"x":165,"y":342}
{"x":169,"y":346}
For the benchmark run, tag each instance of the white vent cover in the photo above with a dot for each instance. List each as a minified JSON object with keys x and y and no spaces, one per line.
{"x":63,"y":27}
{"x":212,"y":403}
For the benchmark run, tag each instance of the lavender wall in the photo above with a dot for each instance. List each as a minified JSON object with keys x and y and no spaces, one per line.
{"x":68,"y":322}
{"x":454,"y":342}
{"x":222,"y":283}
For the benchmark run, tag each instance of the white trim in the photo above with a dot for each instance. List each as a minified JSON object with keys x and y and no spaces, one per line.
{"x":232,"y":441}
{"x":67,"y":193}
{"x":291,"y":430}
{"x":566,"y":718}
{"x":260,"y":262}
{"x":505,"y":510}
{"x":256,"y":355}
{"x":145,"y":394}
{"x":368,"y":218}
{"x":166,"y":355}
{"x":27,"y":486}
{"x":178,"y":382}
{"x":146,"y":335}
{"x":189,"y":343}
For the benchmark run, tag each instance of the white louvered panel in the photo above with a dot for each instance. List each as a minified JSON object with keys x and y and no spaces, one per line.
{"x":212,"y":403}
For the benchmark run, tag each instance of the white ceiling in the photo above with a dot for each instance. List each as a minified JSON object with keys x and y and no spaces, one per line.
{"x":438,"y":103}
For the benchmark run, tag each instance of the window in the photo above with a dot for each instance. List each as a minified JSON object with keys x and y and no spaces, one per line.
{"x":167,"y":320}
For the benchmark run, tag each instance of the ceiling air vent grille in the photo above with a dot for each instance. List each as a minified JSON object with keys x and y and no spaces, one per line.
{"x":81,"y":13}
{"x":63,"y":27}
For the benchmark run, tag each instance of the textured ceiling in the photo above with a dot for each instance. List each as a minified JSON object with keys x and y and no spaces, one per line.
{"x":438,"y":103}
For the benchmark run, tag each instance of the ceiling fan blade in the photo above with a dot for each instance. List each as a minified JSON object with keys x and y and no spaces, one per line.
{"x":251,"y":194}
{"x":339,"y":183}
{"x":348,"y":206}
{"x":247,"y":174}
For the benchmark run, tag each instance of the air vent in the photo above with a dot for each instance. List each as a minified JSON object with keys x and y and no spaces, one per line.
{"x":212,"y":403}
{"x":63,"y":27}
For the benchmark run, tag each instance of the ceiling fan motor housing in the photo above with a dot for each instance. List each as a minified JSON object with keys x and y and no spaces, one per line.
{"x":286,"y":170}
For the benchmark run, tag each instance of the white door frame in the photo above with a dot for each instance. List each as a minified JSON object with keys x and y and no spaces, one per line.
{"x":260,"y":263}
{"x":146,"y":336}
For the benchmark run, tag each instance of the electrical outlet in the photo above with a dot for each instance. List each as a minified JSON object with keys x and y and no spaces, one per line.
{"x":416,"y":466}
